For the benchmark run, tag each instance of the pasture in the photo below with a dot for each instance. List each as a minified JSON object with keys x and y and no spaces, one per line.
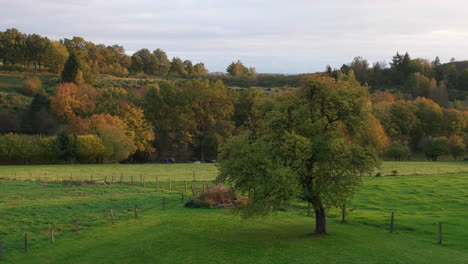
{"x":185,"y":171}
{"x":181,"y":235}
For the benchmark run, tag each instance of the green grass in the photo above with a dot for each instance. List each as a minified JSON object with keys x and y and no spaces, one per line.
{"x":11,"y":84}
{"x":181,"y":235}
{"x":423,"y":167}
{"x":176,"y":172}
{"x":184,"y":171}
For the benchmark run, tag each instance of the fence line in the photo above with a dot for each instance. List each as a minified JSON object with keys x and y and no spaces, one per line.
{"x":203,"y":185}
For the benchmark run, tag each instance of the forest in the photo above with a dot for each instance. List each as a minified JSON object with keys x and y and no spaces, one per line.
{"x":87,"y":103}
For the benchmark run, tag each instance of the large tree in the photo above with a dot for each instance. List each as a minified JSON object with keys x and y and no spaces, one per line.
{"x":311,"y":147}
{"x":211,"y":109}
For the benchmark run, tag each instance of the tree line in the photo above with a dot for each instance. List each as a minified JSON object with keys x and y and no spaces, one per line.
{"x":191,"y":119}
{"x":411,"y":77}
{"x":19,"y":51}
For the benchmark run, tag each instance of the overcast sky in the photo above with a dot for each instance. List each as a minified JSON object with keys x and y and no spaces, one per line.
{"x":291,"y":36}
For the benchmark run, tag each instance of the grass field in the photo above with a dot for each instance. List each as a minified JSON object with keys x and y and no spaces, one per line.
{"x":180,"y":235}
{"x":184,"y":171}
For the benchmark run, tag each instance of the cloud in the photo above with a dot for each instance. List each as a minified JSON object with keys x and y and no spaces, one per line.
{"x":273,"y":36}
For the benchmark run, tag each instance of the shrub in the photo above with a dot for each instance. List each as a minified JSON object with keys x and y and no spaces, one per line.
{"x":399,"y":150}
{"x":217,"y":196}
{"x":89,"y":149}
{"x":32,"y":86}
{"x":434,"y":147}
{"x":394,"y":173}
{"x":457,"y":147}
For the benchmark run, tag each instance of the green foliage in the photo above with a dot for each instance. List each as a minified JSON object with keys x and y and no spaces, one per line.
{"x":26,"y":149}
{"x":89,"y":149}
{"x":117,"y":146}
{"x":399,"y":150}
{"x":303,"y":146}
{"x":76,"y":71}
{"x":434,"y":147}
{"x":237,"y":69}
{"x":56,"y":57}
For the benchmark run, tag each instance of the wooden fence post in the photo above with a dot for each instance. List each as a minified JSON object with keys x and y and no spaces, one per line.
{"x":392,"y":222}
{"x":121,"y":177}
{"x":144,"y":182}
{"x":1,"y":250}
{"x":26,"y":242}
{"x":170,"y":184}
{"x":141,"y":178}
{"x":112,"y":179}
{"x":183,"y":198}
{"x":343,"y":213}
{"x":131,"y":181}
{"x":193,"y":191}
{"x":164,"y":203}
{"x":52,"y":235}
{"x":185,"y":185}
{"x":112,"y":215}
{"x":77,"y":227}
{"x":193,"y":175}
{"x":136,"y":211}
{"x":105,"y":180}
{"x":440,"y":233}
{"x":157,"y":184}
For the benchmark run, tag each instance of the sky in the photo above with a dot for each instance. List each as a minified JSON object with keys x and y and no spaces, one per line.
{"x":293,"y":36}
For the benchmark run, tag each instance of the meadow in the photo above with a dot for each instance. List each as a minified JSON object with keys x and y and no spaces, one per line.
{"x":182,"y":235}
{"x":185,"y":171}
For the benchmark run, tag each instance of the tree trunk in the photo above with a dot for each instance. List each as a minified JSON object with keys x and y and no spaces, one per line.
{"x":320,"y":220}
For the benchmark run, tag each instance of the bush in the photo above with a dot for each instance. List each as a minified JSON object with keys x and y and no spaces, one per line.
{"x":434,"y":147}
{"x":457,"y":147}
{"x":89,"y":149}
{"x":217,"y":197}
{"x":399,"y":150}
{"x":32,"y":86}
{"x":394,"y":173}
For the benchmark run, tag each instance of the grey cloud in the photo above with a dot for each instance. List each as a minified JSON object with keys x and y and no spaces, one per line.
{"x":273,"y":36}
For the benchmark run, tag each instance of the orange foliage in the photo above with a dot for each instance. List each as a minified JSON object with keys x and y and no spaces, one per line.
{"x":376,"y":135}
{"x":137,"y":128}
{"x":71,"y":100}
{"x":379,"y":97}
{"x":83,"y":126}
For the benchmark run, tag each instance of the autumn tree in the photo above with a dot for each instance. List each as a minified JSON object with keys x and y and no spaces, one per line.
{"x":56,"y":57}
{"x":32,"y":86}
{"x":456,"y":146}
{"x":71,"y":100}
{"x":138,"y":129}
{"x":237,"y":69}
{"x":311,"y":147}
